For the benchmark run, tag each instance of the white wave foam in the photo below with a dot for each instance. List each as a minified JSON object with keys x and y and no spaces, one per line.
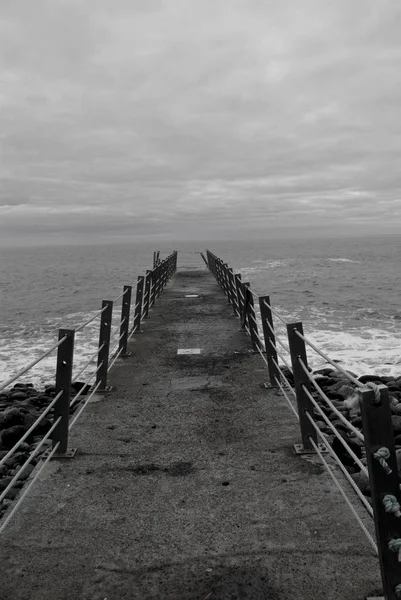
{"x":25,"y":347}
{"x":342,"y":260}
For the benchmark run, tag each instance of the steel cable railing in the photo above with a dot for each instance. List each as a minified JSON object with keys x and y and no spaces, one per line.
{"x":85,"y":385}
{"x":83,"y":406}
{"x":91,"y":359}
{"x":324,"y":397}
{"x":352,"y":483}
{"x":344,"y":495}
{"x":338,"y":435}
{"x":29,"y":460}
{"x":22,"y":496}
{"x":62,"y":404}
{"x":268,"y":351}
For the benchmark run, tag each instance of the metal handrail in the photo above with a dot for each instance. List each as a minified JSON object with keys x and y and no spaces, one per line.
{"x":334,"y":430}
{"x":81,"y":391}
{"x":294,"y":410}
{"x":27,"y":488}
{"x":77,"y":415}
{"x":284,"y":377}
{"x":329,"y":402}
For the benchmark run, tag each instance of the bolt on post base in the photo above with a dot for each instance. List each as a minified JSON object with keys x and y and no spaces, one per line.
{"x":299,"y":449}
{"x":69,"y":454}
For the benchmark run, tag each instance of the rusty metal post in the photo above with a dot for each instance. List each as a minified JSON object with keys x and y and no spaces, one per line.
{"x":384,"y":483}
{"x":270,"y":339}
{"x":104,"y":344}
{"x":65,"y":355}
{"x":138,"y":304}
{"x":125,"y":315}
{"x":301,"y":382}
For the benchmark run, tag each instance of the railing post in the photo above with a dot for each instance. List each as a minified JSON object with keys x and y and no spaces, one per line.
{"x":270,"y":339}
{"x":148,"y":289}
{"x":252,"y":324}
{"x":157,"y":282}
{"x":65,"y":356}
{"x":234,"y":296}
{"x":227,"y":284}
{"x":104,"y":344}
{"x":204,"y":259}
{"x":244,"y":313}
{"x":153,"y":287}
{"x":138,"y":304}
{"x":384,"y":484}
{"x":301,"y":382}
{"x":240,"y":295}
{"x":125,"y":314}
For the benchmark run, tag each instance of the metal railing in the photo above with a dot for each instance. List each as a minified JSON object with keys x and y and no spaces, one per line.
{"x":287,"y":365}
{"x":113,"y":342}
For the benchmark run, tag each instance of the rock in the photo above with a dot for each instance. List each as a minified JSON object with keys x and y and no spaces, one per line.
{"x":11,"y":417}
{"x":396,"y":421}
{"x":19,"y":396}
{"x":12,"y":493}
{"x":4,"y":482}
{"x":10,"y":436}
{"x":396,"y":410}
{"x":374,"y":378}
{"x":26,"y":472}
{"x":343,"y":454}
{"x":362,"y":482}
{"x":79,"y":385}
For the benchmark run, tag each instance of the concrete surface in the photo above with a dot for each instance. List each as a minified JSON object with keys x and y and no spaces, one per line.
{"x":185,"y":485}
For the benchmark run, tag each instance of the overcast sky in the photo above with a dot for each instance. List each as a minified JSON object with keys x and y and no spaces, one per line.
{"x":203,"y":118}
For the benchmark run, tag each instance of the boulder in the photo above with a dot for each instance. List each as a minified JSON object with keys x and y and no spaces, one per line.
{"x":396,"y":421}
{"x":11,"y":417}
{"x":374,"y":378}
{"x":18,"y":396}
{"x":362,"y":482}
{"x":9,"y":437}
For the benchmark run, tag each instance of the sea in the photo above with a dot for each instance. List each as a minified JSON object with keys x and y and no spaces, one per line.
{"x":346,"y":292}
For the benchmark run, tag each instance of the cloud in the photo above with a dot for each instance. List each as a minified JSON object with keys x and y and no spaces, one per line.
{"x":168,"y":113}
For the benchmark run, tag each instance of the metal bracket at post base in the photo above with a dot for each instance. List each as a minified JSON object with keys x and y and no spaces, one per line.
{"x":299,"y":449}
{"x":69,"y":454}
{"x":106,"y":390}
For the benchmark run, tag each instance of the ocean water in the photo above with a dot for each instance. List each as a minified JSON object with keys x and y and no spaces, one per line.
{"x":345,"y":291}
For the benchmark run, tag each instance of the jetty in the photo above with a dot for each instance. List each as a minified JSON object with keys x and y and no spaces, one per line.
{"x":183,"y":474}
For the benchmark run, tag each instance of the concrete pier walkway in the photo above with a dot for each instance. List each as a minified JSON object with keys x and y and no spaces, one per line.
{"x":185,"y":485}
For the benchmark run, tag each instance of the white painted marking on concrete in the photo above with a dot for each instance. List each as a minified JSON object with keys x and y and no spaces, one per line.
{"x":191,"y":296}
{"x":189,"y":351}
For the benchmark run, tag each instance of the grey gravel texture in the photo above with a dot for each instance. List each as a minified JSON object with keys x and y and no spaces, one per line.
{"x":185,"y":485}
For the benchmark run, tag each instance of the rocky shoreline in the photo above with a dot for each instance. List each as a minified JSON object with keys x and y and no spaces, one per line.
{"x":20,"y":407}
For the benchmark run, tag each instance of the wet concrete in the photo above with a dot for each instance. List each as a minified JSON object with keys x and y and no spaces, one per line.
{"x":185,"y":485}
